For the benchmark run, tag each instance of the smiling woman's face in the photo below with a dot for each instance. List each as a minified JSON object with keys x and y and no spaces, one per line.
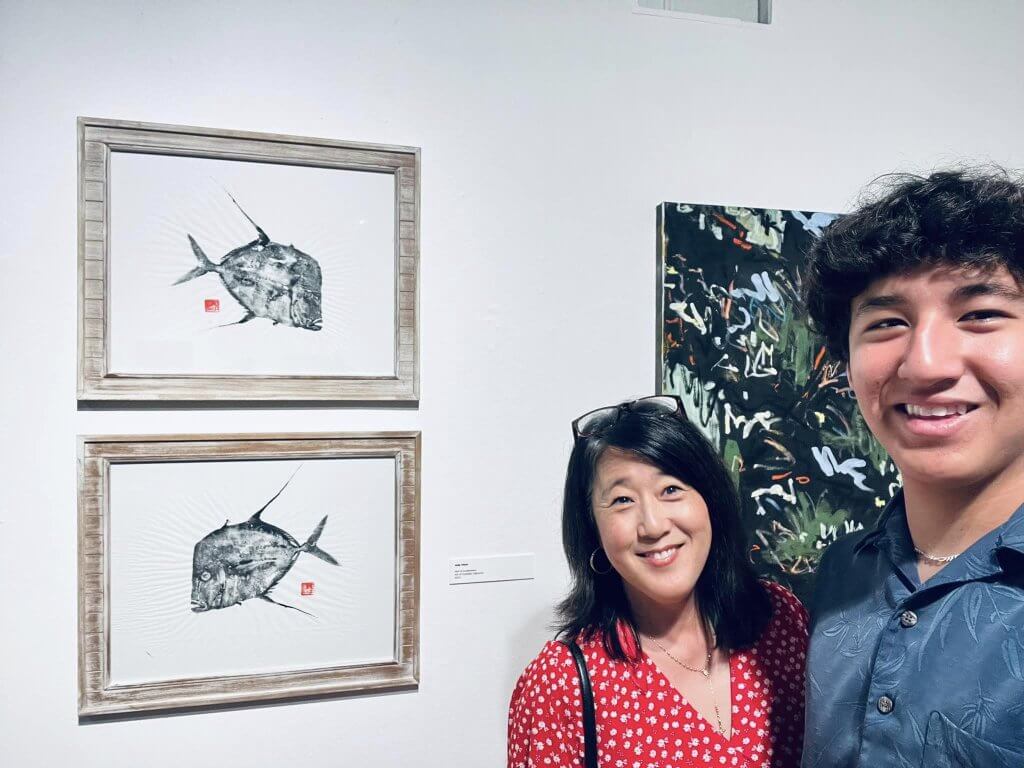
{"x":654,"y":528}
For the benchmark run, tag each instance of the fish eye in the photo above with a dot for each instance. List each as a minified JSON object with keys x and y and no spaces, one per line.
{"x":205,"y":576}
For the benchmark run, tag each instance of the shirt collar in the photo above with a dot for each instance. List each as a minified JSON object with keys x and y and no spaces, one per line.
{"x":891,"y":525}
{"x":1011,"y":533}
{"x":887,"y":528}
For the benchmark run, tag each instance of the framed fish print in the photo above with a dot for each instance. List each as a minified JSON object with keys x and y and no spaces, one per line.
{"x":733,"y":344}
{"x":226,"y":265}
{"x":216,"y":569}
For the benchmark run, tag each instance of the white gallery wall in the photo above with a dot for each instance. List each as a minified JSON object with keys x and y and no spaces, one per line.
{"x":549,"y":133}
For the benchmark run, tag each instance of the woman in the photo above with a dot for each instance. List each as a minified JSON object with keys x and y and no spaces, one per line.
{"x":692,"y":660}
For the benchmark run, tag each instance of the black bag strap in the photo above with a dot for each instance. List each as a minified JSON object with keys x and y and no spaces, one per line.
{"x":587,"y":694}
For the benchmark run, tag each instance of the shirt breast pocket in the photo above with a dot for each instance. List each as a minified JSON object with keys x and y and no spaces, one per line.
{"x":946,"y":746}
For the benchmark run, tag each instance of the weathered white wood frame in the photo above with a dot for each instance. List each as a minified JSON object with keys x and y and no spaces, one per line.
{"x":96,"y":695}
{"x":97,"y":138}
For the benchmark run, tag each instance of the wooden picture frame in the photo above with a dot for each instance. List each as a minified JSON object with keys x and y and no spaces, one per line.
{"x":100,"y":455}
{"x":100,"y":139}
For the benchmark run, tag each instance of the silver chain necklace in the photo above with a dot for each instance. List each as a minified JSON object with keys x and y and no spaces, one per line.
{"x":706,"y":672}
{"x":937,"y":559}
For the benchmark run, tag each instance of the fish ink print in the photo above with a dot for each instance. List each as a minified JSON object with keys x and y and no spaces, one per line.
{"x":269,"y":280}
{"x":246,"y":561}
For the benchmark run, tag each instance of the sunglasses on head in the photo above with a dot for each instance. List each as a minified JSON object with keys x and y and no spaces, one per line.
{"x":594,"y":422}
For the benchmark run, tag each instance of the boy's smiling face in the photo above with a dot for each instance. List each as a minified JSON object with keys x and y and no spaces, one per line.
{"x":937,"y":364}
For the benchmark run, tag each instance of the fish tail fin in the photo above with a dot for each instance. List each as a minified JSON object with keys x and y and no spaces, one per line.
{"x":311,"y":547}
{"x":205,"y":265}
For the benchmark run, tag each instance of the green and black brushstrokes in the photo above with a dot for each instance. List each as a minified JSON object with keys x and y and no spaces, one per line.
{"x":757,"y":380}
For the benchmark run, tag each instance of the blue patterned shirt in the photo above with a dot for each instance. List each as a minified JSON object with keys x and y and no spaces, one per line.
{"x":908,"y":674}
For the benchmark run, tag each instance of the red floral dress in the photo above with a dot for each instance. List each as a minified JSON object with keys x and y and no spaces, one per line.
{"x":644,"y":722}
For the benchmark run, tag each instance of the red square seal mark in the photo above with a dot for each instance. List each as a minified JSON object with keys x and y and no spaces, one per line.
{"x":307,"y":588}
{"x":212,"y":305}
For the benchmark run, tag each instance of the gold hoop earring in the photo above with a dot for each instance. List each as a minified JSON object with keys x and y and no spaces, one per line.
{"x":594,"y":569}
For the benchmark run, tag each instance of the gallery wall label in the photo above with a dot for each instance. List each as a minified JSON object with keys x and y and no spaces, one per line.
{"x":474,"y":570}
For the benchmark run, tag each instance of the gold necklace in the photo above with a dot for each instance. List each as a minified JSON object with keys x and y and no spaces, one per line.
{"x":706,"y":672}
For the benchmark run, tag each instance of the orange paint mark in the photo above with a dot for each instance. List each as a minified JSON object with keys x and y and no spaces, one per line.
{"x":725,"y":221}
{"x":803,"y":479}
{"x":783,"y":476}
{"x":753,"y":551}
{"x":741,"y":244}
{"x":727,"y":308}
{"x":818,"y":358}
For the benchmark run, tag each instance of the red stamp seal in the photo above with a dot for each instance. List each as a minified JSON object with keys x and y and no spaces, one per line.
{"x":307,"y":588}
{"x":212,"y":305}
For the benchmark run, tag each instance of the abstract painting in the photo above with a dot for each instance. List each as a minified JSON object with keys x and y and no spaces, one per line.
{"x":226,"y":265}
{"x":221,"y":569}
{"x":734,"y":346}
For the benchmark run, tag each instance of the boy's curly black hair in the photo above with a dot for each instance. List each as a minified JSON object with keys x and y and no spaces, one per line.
{"x":971,"y":218}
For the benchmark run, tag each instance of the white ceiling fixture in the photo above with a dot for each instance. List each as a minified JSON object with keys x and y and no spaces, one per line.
{"x":727,"y":11}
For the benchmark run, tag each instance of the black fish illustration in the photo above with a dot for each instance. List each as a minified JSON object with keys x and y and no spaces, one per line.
{"x":239,"y":562}
{"x":278,"y":282}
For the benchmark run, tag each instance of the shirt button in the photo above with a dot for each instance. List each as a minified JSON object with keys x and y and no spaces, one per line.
{"x":908,"y":619}
{"x":885,"y":705}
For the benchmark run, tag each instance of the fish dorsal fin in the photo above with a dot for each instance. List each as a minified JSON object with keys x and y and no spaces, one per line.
{"x":256,"y":515}
{"x":263,"y":239}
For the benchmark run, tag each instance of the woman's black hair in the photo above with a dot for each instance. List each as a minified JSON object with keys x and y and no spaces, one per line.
{"x":971,"y":218}
{"x":729,"y":597}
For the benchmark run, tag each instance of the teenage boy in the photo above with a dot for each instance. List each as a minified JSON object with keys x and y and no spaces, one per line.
{"x":917,"y":646}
